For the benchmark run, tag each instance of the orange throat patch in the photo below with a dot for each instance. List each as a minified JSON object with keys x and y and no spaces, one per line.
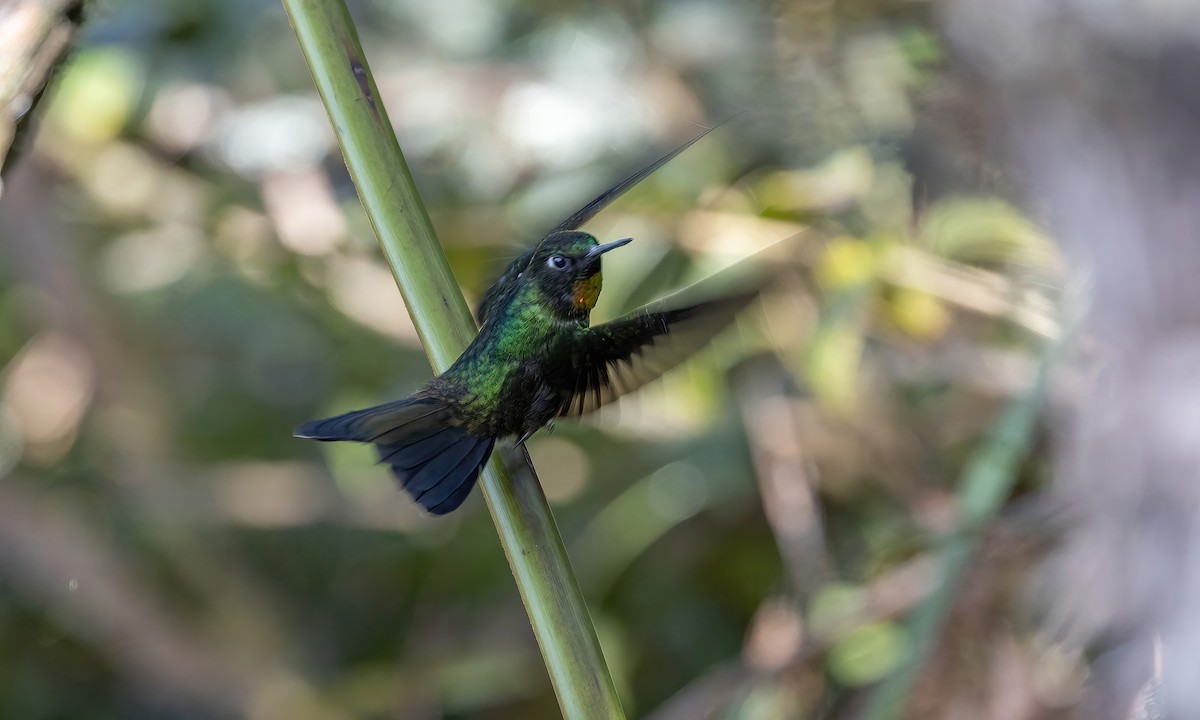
{"x":586,"y":292}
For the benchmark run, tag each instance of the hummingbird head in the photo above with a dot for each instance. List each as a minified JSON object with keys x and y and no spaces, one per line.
{"x":566,"y":269}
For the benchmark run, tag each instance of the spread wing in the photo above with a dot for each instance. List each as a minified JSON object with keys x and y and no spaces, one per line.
{"x":494,"y":295}
{"x":620,"y":356}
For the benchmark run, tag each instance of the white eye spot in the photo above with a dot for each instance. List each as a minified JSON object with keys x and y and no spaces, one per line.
{"x":558,"y":262}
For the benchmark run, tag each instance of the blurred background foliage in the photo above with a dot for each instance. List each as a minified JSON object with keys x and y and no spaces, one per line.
{"x":186,"y":274}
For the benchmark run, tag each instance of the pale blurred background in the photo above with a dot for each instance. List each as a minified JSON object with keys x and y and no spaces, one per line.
{"x":186,"y":274}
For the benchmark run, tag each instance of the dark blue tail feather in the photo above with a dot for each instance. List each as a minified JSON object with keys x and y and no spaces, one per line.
{"x":435,"y":461}
{"x":456,"y":484}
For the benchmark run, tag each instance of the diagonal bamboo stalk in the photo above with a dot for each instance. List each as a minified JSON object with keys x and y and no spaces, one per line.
{"x":526,"y":528}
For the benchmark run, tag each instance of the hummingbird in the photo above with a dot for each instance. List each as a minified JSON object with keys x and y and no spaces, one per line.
{"x":536,"y":358}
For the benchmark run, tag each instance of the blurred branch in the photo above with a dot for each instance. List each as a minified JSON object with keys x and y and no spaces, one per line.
{"x":138,"y":464}
{"x":789,"y":495}
{"x":54,"y":560}
{"x":35,"y":36}
{"x":986,"y":482}
{"x":889,"y":595}
{"x":519,"y":509}
{"x":987,"y":293}
{"x":97,"y":594}
{"x":1100,"y":107}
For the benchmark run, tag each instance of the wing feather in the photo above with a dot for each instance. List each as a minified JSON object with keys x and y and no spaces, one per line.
{"x":496,"y":294}
{"x":621,"y":356}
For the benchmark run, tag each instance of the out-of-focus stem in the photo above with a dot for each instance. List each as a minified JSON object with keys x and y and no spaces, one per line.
{"x":35,"y":36}
{"x":986,"y":482}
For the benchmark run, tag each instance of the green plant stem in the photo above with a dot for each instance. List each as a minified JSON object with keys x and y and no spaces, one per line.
{"x":986,"y":482}
{"x":519,"y":509}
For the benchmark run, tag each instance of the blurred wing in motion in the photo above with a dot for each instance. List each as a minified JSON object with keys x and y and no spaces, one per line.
{"x":589,"y":211}
{"x":621,"y":356}
{"x":578,"y":218}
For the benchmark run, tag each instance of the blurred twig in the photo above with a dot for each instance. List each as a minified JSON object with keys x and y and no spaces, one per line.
{"x":789,"y":495}
{"x":56,"y":561}
{"x":34,"y":37}
{"x":987,"y":293}
{"x":1100,"y":116}
{"x":889,"y":595}
{"x":527,"y":531}
{"x":980,"y":291}
{"x":986,"y":482}
{"x":138,"y":464}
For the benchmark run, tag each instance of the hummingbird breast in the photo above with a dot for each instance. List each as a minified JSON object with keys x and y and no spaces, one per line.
{"x":504,"y":383}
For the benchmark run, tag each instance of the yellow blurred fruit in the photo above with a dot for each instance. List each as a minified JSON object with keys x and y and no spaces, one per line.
{"x":832,"y":367}
{"x":919,"y":314}
{"x":846,"y":262}
{"x":97,"y":95}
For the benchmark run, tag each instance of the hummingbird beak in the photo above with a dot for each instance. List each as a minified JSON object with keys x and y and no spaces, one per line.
{"x":601,"y":249}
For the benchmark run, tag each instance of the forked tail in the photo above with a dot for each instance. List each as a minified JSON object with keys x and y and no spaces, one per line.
{"x":436,"y":461}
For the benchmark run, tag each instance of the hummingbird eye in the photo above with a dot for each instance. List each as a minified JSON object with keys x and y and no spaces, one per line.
{"x":558,"y":262}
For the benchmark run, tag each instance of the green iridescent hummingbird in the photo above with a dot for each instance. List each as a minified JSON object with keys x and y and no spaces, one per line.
{"x":536,"y":357}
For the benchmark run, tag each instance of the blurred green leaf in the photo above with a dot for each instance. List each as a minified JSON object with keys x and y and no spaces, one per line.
{"x":867,"y":653}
